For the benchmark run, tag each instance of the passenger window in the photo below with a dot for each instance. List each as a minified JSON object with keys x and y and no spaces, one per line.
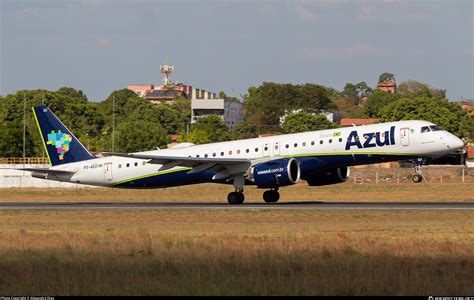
{"x":276,"y":147}
{"x":247,"y":150}
{"x":205,"y":155}
{"x":266,"y":148}
{"x":256,"y":149}
{"x":296,"y":145}
{"x":321,"y":142}
{"x":197,"y":155}
{"x":330,"y":141}
{"x":287,"y":146}
{"x":230,"y":152}
{"x":312,"y":143}
{"x":214,"y":154}
{"x":136,"y":164}
{"x":128,"y":165}
{"x":340,"y":140}
{"x":120,"y":166}
{"x":222,"y":153}
{"x":238,"y":151}
{"x":304,"y":144}
{"x":144,"y":163}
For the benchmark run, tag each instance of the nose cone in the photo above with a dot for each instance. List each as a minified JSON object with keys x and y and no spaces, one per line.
{"x":455,"y":143}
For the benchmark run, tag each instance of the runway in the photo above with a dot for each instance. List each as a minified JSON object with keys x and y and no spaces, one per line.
{"x":307,"y":205}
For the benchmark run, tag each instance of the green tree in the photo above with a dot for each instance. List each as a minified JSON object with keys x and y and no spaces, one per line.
{"x":376,"y":101}
{"x":412,"y":88}
{"x":139,"y":135}
{"x":196,"y":136}
{"x":467,"y":128}
{"x":439,"y":111}
{"x":266,"y":104}
{"x":244,"y":130}
{"x":11,"y":140}
{"x":208,"y":129}
{"x":386,"y":77}
{"x":182,"y":106}
{"x":302,"y":121}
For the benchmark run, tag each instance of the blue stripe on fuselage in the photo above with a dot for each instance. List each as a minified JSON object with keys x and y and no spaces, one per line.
{"x":309,"y":164}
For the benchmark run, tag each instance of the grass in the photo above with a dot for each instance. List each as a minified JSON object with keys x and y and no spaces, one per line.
{"x":230,"y":252}
{"x":218,"y":193}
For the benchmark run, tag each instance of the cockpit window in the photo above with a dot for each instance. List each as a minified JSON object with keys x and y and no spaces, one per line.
{"x":435,"y":128}
{"x":425,"y":129}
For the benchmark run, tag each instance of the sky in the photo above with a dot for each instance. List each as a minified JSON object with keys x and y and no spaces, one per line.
{"x":101,"y":45}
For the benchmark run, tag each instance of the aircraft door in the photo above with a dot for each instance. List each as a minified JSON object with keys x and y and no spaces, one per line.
{"x":405,"y":136}
{"x":266,"y":149}
{"x":108,"y":171}
{"x":276,"y":148}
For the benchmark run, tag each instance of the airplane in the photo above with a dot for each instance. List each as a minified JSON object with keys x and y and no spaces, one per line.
{"x":320,"y":157}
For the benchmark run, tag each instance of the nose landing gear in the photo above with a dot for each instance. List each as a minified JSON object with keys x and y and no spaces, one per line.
{"x":418,"y":176}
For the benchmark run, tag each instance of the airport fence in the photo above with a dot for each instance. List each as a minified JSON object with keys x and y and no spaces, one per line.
{"x":394,"y":175}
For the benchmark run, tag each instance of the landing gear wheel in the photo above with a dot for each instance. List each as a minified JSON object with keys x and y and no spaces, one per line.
{"x":271,"y":196}
{"x":417,"y":178}
{"x":236,"y":198}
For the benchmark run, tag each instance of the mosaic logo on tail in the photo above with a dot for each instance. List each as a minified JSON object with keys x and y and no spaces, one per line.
{"x":61,"y":141}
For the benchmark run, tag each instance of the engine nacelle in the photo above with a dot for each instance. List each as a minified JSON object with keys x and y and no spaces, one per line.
{"x":328,"y":176}
{"x":276,"y":173}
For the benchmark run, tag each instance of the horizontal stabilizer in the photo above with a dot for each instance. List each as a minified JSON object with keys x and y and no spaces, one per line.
{"x":47,"y":171}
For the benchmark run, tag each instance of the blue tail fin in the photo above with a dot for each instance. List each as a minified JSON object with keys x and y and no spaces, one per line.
{"x":60,"y":144}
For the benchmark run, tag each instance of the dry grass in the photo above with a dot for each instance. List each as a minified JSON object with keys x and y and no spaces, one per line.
{"x":216,"y":192}
{"x":236,"y":252}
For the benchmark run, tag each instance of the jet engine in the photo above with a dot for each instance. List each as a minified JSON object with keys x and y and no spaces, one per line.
{"x":276,"y":173}
{"x":328,"y":176}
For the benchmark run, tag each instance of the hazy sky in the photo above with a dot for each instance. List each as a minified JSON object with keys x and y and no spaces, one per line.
{"x":101,"y":45}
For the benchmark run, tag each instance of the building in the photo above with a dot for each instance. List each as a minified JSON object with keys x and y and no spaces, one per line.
{"x":203,"y":103}
{"x":231,"y":112}
{"x":389,"y":87}
{"x":169,"y":91}
{"x":357,"y":122}
{"x":469,"y":108}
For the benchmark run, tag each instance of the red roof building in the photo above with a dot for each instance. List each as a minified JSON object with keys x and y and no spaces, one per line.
{"x":389,"y":87}
{"x":357,"y":122}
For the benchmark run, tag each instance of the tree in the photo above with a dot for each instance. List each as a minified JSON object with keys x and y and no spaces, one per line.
{"x":302,"y":121}
{"x":439,"y":111}
{"x":386,"y":77}
{"x":208,"y":129}
{"x":11,"y":140}
{"x":363,"y":90}
{"x":412,"y":88}
{"x":350,"y":91}
{"x":377,"y":101}
{"x":356,"y":91}
{"x":244,"y":130}
{"x":182,"y":107}
{"x":266,"y":104}
{"x":139,"y":135}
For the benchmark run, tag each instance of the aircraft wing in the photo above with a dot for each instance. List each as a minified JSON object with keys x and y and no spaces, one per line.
{"x":224,"y":167}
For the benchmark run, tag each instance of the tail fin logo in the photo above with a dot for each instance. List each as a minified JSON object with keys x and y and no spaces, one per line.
{"x":61,"y":141}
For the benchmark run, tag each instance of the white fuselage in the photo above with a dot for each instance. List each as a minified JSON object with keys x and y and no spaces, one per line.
{"x":394,"y":140}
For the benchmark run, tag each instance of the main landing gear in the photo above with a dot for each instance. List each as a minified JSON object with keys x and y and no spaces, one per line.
{"x":271,"y":196}
{"x":237,"y":197}
{"x":418,"y":176}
